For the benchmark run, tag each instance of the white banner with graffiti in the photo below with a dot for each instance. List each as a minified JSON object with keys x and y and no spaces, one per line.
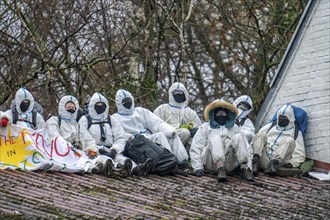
{"x":27,"y":149}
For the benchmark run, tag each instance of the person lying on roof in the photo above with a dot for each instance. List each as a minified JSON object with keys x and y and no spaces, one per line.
{"x":65,"y":128}
{"x":23,"y":113}
{"x":278,"y":144}
{"x":219,"y":145}
{"x":177,"y":114}
{"x":109,"y":135}
{"x":141,"y":121}
{"x":244,"y":105}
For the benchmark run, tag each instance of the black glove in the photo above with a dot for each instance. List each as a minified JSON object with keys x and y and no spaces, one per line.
{"x":199,"y":172}
{"x":193,"y":132}
{"x":288,"y":165}
{"x":111,"y":154}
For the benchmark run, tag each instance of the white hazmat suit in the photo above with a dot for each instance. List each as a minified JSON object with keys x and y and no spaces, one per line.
{"x":25,"y":118}
{"x":278,"y":143}
{"x":215,"y":146}
{"x":65,"y":126}
{"x":142,"y":121}
{"x":114,"y":137}
{"x":178,"y":113}
{"x":246,"y":124}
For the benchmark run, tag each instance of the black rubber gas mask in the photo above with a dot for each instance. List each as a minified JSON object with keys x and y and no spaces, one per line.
{"x":70,"y":107}
{"x":127,"y":102}
{"x":25,"y":104}
{"x":179,"y":96}
{"x":283,"y":121}
{"x":220,"y":116}
{"x":99,"y":107}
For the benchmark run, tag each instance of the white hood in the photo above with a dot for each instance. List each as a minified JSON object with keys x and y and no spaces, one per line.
{"x":177,"y":86}
{"x":97,"y":97}
{"x":120,"y":95}
{"x":64,"y":113}
{"x":243,"y":99}
{"x":21,"y":95}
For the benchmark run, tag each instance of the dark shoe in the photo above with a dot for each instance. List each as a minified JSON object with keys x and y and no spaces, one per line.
{"x":272,"y":167}
{"x":128,"y":167}
{"x":182,"y":172}
{"x":246,"y":174}
{"x":98,"y":169}
{"x":256,"y":164}
{"x":222,"y":174}
{"x":108,"y":168}
{"x":284,"y":171}
{"x":143,"y":169}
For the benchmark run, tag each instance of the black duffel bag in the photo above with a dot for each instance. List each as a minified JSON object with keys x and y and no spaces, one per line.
{"x":140,"y":148}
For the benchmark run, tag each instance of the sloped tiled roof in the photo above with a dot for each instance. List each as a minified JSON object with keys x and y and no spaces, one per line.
{"x":40,"y":195}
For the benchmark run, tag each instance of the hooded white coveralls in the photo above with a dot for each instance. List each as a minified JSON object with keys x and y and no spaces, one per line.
{"x":71,"y":132}
{"x":214,"y":145}
{"x":115,"y":135}
{"x":247,"y":128}
{"x":176,"y":114}
{"x":25,"y":117}
{"x":142,"y":121}
{"x":278,"y":143}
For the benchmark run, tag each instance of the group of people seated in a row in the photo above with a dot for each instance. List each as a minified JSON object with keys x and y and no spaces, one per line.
{"x":225,"y":143}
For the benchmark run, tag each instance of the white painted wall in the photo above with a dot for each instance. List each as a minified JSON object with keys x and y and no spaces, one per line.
{"x":307,"y":83}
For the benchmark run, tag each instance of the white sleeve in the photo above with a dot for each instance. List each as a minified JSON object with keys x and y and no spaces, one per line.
{"x":198,"y":143}
{"x":87,"y":141}
{"x":119,"y":135}
{"x":193,"y":117}
{"x":248,"y":130}
{"x":40,"y":122}
{"x":156,"y":124}
{"x":52,"y":128}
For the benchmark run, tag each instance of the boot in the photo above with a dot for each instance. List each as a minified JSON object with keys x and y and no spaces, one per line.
{"x":128,"y":167}
{"x":143,"y":169}
{"x":272,"y":167}
{"x":222,"y":174}
{"x":183,"y":168}
{"x":108,"y":168}
{"x":98,"y":169}
{"x":246,"y":173}
{"x":255,"y":164}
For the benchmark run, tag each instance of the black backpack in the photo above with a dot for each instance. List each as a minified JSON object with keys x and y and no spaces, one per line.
{"x":140,"y":148}
{"x":90,"y":123}
{"x":36,"y":109}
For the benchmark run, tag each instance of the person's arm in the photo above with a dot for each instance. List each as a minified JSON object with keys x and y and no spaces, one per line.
{"x":40,"y":122}
{"x":156,"y":124}
{"x":198,"y":143}
{"x":119,"y":136}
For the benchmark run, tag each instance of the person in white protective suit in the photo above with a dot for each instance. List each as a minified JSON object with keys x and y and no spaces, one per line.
{"x":219,"y":145}
{"x":110,"y":136}
{"x":22,"y":113}
{"x":275,"y":144}
{"x":177,"y":114}
{"x":139,"y":120}
{"x":244,"y":105}
{"x":64,"y":127}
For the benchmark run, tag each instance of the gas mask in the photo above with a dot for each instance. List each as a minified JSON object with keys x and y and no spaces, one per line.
{"x":127,"y":102}
{"x":244,"y":106}
{"x":179,"y":96}
{"x":282,"y":121}
{"x":24,"y":106}
{"x":70,"y":107}
{"x":99,"y":107}
{"x":220,"y":116}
